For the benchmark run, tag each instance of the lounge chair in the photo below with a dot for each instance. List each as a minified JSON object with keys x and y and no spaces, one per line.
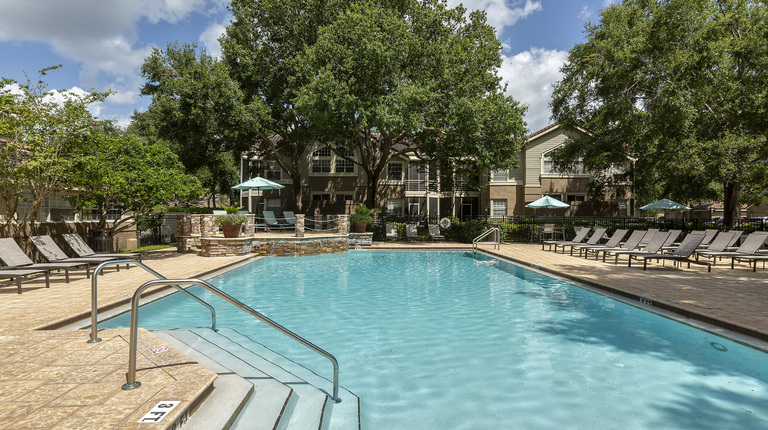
{"x":648,"y":236}
{"x":290,"y":218}
{"x":434,"y":232}
{"x":749,"y":247}
{"x":51,"y":252}
{"x":682,"y":254}
{"x":21,"y":274}
{"x":391,"y":232}
{"x":612,"y":242}
{"x":13,"y":257}
{"x":593,"y":240}
{"x":580,"y":236}
{"x":652,"y":247}
{"x":709,"y":235}
{"x":633,"y":241}
{"x":722,"y":243}
{"x":411,"y":233}
{"x":271,"y":221}
{"x":82,"y":250}
{"x":219,"y":212}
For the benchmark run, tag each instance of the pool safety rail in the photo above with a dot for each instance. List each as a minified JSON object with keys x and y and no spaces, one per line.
{"x":131,"y":381}
{"x":94,"y":294}
{"x":492,"y":236}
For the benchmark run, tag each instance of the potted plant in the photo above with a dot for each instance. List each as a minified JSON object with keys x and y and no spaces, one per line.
{"x":232,"y":222}
{"x":362,"y":217}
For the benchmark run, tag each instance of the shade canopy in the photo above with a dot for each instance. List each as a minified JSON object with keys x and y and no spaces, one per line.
{"x":257,"y":183}
{"x":547,"y":202}
{"x":664,"y":205}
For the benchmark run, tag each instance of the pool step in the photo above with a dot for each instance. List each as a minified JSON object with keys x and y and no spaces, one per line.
{"x":285,"y":394}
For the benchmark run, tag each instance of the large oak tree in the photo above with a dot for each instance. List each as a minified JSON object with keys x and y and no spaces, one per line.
{"x":679,"y":88}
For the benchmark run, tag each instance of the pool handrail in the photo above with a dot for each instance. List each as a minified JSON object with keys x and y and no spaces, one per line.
{"x":94,"y":295}
{"x":131,"y":382}
{"x":496,"y":239}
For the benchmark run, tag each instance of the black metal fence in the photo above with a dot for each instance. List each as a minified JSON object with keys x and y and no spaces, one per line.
{"x":518,"y":228}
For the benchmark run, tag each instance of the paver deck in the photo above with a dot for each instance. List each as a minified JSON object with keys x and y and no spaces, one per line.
{"x":54,"y":379}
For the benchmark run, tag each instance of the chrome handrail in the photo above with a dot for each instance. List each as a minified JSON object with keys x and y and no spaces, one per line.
{"x":94,"y":299}
{"x":483,"y":235}
{"x":131,"y":382}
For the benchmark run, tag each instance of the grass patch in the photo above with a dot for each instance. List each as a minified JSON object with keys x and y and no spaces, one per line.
{"x":151,"y":248}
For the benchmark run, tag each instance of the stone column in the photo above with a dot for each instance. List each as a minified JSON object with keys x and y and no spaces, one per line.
{"x":250,"y":228}
{"x":343,"y":224}
{"x":299,"y":225}
{"x":207,"y":226}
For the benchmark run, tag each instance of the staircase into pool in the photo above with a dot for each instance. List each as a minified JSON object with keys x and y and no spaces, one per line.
{"x":258,"y":388}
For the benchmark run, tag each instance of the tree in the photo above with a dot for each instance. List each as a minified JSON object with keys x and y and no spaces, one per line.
{"x":123,"y":172}
{"x":39,"y":130}
{"x":199,"y":110}
{"x":261,"y":46}
{"x":678,"y":87}
{"x":409,"y":77}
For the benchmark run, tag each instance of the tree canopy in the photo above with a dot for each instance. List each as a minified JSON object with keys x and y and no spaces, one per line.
{"x":414,"y":77}
{"x":200,"y":111}
{"x":39,"y":131}
{"x":677,"y":87}
{"x":123,"y":172}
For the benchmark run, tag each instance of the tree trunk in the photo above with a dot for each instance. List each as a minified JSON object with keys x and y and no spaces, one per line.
{"x":298,"y":192}
{"x":731,"y":203}
{"x":373,"y":182}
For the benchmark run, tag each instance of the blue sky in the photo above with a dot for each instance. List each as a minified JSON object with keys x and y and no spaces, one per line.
{"x":101,"y":44}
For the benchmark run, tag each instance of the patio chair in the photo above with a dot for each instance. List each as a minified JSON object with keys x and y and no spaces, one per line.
{"x":18,"y":275}
{"x":290,"y":218}
{"x":82,"y":250}
{"x":551,"y":231}
{"x":391,"y":230}
{"x":612,"y":242}
{"x":682,"y":254}
{"x":411,"y":233}
{"x":632,"y":242}
{"x":722,"y":243}
{"x":51,"y":252}
{"x":596,"y":237}
{"x":434,"y":232}
{"x":580,"y":236}
{"x":652,"y":247}
{"x":219,"y":212}
{"x":269,"y":218}
{"x":14,"y":258}
{"x":749,"y":247}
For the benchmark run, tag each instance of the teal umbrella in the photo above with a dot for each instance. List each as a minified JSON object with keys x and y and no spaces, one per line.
{"x":664,"y":205}
{"x":547,"y":202}
{"x":257,"y":183}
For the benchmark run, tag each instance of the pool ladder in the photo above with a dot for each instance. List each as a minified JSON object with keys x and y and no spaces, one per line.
{"x":131,"y":381}
{"x":492,"y":236}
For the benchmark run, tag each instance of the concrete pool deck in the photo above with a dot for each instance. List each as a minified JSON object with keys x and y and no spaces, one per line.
{"x":54,"y":379}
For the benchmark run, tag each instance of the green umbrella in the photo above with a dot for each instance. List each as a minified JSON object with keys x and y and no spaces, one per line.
{"x":664,"y":205}
{"x":257,"y":183}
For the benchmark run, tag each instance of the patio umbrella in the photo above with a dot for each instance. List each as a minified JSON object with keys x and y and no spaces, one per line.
{"x":257,"y":183}
{"x":664,"y":205}
{"x":548,"y":203}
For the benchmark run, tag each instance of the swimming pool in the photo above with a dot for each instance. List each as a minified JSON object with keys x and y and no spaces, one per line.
{"x":440,"y":340}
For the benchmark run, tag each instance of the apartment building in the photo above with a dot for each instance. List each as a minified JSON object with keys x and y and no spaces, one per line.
{"x":409,"y":186}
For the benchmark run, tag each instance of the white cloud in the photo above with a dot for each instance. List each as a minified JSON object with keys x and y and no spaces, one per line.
{"x":500,"y":13}
{"x":210,"y":38}
{"x":100,"y":35}
{"x":531,"y":75}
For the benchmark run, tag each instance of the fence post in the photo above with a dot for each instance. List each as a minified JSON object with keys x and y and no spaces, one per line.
{"x":299,"y":225}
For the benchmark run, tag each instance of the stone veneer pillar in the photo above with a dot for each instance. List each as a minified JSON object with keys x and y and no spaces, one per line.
{"x":343,"y":224}
{"x":299,"y":225}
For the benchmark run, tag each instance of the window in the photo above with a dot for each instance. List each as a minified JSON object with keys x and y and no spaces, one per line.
{"x":498,"y":208}
{"x":395,"y":171}
{"x":324,"y":152}
{"x":548,"y":167}
{"x":623,"y":207}
{"x":576,"y":198}
{"x":321,"y":197}
{"x":274,"y":173}
{"x":395,"y":206}
{"x":344,"y":166}
{"x":266,"y":169}
{"x":499,"y":176}
{"x":321,"y":166}
{"x":344,"y":197}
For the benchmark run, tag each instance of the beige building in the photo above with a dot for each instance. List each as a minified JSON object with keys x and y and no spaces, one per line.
{"x":411,"y":187}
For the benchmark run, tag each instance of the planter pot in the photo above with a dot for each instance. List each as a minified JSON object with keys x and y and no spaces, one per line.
{"x":359,"y":227}
{"x":231,"y":230}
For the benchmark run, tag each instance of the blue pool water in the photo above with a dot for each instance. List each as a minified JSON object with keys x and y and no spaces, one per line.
{"x":439,"y":340}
